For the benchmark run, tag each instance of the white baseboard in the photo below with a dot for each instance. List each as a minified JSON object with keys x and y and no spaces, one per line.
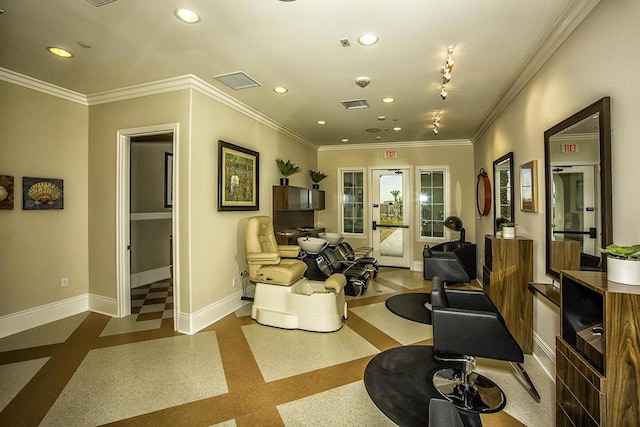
{"x":417,"y":266}
{"x":545,"y":356}
{"x":38,"y":316}
{"x":150,"y":276}
{"x":190,"y":324}
{"x":103,"y":305}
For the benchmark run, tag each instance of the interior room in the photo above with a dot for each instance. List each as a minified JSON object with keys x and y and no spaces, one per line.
{"x":458,"y":121}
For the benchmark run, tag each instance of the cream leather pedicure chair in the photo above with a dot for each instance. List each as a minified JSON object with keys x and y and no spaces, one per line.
{"x":283,"y":297}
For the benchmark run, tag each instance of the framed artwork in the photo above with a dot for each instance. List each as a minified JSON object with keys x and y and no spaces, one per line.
{"x":529,"y":187}
{"x":238,"y":178}
{"x":42,"y":193}
{"x":6,"y":192}
{"x":168,"y":180}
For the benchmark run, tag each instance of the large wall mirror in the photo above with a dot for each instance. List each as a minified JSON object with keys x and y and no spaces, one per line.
{"x":503,"y":210}
{"x":577,"y":155}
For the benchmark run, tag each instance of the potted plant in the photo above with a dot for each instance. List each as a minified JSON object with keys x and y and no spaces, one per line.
{"x":509,"y":229}
{"x":623,"y":263}
{"x":316,"y":177}
{"x":287,"y":169}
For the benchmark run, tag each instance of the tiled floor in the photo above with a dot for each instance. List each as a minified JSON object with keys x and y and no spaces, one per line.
{"x":154,"y":301}
{"x":92,"y":370}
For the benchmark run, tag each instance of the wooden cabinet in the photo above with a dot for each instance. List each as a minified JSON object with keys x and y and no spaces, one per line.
{"x":507,"y":270}
{"x":598,"y":352}
{"x":289,"y":198}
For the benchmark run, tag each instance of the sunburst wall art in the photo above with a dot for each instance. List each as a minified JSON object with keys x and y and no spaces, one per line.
{"x":42,"y":193}
{"x":6,"y":192}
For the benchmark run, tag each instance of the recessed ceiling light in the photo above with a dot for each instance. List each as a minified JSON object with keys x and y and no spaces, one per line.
{"x":280,"y":89}
{"x":84,"y":45}
{"x":388,"y":100}
{"x":345,"y":139}
{"x":58,"y":51}
{"x":381,"y":118}
{"x":368,"y":39}
{"x":397,"y":128}
{"x":321,"y":122}
{"x":188,"y":16}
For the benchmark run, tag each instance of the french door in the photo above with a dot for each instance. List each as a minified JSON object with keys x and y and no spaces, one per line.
{"x":391,"y":216}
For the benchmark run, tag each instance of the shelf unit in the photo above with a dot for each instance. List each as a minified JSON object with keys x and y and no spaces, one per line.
{"x":598,"y":370}
{"x":507,"y":270}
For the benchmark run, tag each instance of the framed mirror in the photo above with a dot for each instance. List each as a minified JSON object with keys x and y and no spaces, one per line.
{"x":504,"y":190}
{"x":577,"y":171}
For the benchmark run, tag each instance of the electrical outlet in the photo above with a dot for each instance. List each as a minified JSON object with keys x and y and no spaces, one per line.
{"x":65,"y":282}
{"x":234,"y":282}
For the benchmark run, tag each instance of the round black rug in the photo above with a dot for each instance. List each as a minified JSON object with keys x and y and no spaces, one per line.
{"x":398,"y":381}
{"x":411,"y":306}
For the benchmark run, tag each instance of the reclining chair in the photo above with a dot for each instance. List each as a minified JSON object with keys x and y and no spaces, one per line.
{"x":357,"y":277}
{"x":283,"y":298}
{"x":467,"y":325}
{"x":360,"y":257}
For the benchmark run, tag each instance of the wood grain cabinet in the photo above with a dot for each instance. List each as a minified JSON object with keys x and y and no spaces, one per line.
{"x":290,"y":198}
{"x":507,"y":270}
{"x":598,"y":352}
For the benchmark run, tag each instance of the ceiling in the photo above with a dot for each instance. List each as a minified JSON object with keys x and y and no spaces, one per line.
{"x":296,"y":44}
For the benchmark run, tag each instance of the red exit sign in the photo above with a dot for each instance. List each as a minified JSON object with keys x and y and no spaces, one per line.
{"x":390,"y":154}
{"x":570,"y":148}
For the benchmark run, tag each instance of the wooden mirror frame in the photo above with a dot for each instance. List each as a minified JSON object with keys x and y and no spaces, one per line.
{"x":602,"y":108}
{"x":496,"y":188}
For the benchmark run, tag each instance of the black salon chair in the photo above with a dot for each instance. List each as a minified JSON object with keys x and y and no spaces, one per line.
{"x":332,"y":262}
{"x":467,"y":325}
{"x":455,"y":260}
{"x":442,"y":413}
{"x":360,"y":257}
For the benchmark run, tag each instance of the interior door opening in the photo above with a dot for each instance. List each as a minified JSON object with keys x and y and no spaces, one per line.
{"x":146,"y":231}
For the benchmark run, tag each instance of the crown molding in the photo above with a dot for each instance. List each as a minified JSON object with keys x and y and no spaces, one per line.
{"x":41,"y":86}
{"x":394,"y":145}
{"x":571,"y":17}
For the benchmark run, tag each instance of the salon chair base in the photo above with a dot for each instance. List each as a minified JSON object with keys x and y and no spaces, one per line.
{"x":478,"y":394}
{"x":305,"y":305}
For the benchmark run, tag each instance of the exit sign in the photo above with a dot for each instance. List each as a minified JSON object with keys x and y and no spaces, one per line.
{"x":390,"y":154}
{"x":570,"y":148}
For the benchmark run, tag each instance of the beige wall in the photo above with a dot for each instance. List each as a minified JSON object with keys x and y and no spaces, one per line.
{"x":105,"y":121}
{"x":458,"y":157}
{"x":43,"y":136}
{"x":591,"y":64}
{"x":218,"y":237}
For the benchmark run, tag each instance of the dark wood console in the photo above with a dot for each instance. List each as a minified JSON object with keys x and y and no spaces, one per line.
{"x":294,"y":212}
{"x":598,"y":352}
{"x":507,"y":270}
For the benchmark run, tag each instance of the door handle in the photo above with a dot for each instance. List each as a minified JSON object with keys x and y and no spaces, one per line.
{"x":374,"y":225}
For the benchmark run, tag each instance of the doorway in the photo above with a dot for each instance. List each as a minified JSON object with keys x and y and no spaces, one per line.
{"x":573,"y":209}
{"x":391,"y":216}
{"x":130,"y":225}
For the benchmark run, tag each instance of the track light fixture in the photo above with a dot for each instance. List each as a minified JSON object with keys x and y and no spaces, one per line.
{"x":436,"y":122}
{"x":446,"y":72}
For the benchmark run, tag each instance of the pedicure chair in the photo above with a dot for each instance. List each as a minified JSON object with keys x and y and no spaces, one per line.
{"x":283,"y":297}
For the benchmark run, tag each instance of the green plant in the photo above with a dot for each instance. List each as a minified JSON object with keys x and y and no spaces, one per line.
{"x":622,"y":252}
{"x":316,"y":176}
{"x":287,"y":168}
{"x":509,"y":224}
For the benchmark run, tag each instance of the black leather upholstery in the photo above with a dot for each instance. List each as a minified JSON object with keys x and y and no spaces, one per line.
{"x":453,"y":262}
{"x":467,"y":323}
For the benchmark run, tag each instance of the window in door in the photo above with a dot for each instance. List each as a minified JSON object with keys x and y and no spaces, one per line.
{"x":352,"y":212}
{"x":433,"y":206}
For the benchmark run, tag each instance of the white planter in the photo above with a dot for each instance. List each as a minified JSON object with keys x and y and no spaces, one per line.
{"x":623,"y":271}
{"x":508,"y":232}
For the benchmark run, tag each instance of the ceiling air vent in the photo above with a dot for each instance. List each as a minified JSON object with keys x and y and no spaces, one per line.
{"x":98,"y":3}
{"x":237,"y":80}
{"x":355,"y":104}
